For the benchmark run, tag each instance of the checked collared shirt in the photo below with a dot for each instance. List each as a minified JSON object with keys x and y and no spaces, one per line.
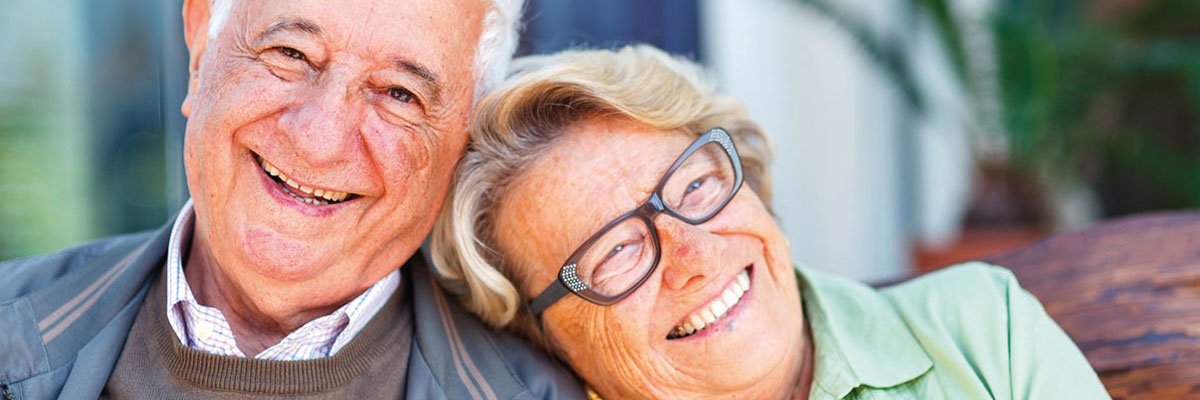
{"x":205,"y":328}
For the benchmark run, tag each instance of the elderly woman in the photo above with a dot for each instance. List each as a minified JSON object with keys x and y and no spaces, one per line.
{"x":615,"y":210}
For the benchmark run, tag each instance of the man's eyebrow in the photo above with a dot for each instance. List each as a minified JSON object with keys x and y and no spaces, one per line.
{"x":430,"y":79}
{"x":289,"y":24}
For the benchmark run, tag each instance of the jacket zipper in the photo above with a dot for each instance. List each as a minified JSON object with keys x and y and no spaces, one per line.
{"x":8,"y":394}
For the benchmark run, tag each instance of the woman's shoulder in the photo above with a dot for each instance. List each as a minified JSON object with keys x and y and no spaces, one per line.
{"x":971,"y":307}
{"x":976,"y":319}
{"x":962,"y":303}
{"x":984,"y":335}
{"x":972,"y":284}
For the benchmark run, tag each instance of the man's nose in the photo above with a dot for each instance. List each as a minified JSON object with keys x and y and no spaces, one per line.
{"x":324,"y":127}
{"x":690,"y":254}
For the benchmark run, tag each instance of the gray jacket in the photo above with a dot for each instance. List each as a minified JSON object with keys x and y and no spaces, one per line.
{"x":64,"y":318}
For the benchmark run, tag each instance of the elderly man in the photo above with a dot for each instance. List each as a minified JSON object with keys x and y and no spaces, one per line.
{"x":321,"y":139}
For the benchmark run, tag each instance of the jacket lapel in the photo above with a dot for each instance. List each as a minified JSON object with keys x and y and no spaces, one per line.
{"x":74,"y":327}
{"x":98,"y":292}
{"x":454,"y":351}
{"x":463,"y":356}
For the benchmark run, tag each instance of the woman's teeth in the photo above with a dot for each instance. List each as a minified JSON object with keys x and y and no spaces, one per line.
{"x":715,"y":309}
{"x":319,"y":197}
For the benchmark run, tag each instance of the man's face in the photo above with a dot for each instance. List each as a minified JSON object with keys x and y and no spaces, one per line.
{"x":322,"y":135}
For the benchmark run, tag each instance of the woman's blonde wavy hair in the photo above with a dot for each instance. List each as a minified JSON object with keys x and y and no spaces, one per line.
{"x":516,"y":122}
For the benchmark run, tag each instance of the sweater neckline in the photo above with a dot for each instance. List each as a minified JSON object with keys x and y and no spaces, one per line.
{"x":392,"y":326}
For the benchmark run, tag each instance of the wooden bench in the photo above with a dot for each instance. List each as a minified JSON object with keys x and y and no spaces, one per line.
{"x":1128,"y":292}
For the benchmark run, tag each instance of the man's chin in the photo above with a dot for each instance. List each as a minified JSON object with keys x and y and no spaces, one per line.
{"x":283,"y":258}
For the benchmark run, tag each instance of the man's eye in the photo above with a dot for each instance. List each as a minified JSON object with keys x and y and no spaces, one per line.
{"x":292,"y":53}
{"x":401,"y":94}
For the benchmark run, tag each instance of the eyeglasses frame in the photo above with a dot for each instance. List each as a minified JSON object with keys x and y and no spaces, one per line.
{"x":568,"y":276}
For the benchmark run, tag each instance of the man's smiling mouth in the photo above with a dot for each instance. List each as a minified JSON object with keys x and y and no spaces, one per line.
{"x":714,"y":310}
{"x":298,"y":191}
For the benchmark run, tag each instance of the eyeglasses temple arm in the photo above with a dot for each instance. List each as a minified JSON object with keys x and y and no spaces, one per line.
{"x":553,"y":293}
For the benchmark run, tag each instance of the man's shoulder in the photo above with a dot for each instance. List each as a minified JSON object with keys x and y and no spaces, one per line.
{"x":470,"y":360}
{"x":26,"y":275}
{"x":68,"y":312}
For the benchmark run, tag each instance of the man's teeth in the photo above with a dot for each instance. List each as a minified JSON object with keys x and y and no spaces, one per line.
{"x":330,"y":195}
{"x":715,"y":309}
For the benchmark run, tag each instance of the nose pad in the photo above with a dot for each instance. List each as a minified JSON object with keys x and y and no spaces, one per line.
{"x":323,"y":128}
{"x":690,"y":254}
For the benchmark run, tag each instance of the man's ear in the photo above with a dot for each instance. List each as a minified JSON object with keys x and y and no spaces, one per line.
{"x":196,"y":14}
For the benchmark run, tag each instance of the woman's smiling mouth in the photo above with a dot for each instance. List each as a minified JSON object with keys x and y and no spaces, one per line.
{"x":714,"y":310}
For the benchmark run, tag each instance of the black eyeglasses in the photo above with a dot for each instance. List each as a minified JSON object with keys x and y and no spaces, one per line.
{"x":618,"y":258}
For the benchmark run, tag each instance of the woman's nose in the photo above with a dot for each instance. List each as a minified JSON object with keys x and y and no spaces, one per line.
{"x":690,"y":254}
{"x":324,"y":127}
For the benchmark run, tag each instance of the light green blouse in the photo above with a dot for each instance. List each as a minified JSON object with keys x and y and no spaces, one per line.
{"x":965,"y":332}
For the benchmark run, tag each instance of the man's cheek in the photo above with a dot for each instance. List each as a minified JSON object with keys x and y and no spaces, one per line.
{"x":402,"y":157}
{"x":425,"y":149}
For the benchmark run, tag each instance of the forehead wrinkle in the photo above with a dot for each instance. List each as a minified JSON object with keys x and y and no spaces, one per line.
{"x":526,"y":232}
{"x":589,"y":190}
{"x":617,"y":177}
{"x":407,"y":65}
{"x":640,"y":170}
{"x":540,"y":205}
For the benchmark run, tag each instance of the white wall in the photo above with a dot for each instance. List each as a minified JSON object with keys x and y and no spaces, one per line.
{"x":832,"y":119}
{"x":857,"y":176}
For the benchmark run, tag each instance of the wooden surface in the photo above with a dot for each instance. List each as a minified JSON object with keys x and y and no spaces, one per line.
{"x":1128,"y":292}
{"x":973,"y":244}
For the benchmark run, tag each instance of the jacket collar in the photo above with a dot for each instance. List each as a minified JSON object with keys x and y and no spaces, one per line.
{"x":467,"y":359}
{"x":859,"y":337}
{"x":98,"y":289}
{"x":454,"y":355}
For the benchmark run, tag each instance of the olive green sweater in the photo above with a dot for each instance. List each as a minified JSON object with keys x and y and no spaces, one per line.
{"x":154,"y":365}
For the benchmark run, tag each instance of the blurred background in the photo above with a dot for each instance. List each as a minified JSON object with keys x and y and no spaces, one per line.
{"x":909,"y":133}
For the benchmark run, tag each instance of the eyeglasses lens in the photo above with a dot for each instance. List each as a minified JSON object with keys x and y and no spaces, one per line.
{"x":618,"y":259}
{"x":701,"y":184}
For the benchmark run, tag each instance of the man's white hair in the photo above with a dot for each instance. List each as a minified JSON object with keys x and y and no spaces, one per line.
{"x":497,"y":43}
{"x":497,"y":40}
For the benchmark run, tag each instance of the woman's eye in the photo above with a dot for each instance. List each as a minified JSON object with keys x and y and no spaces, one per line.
{"x":695,"y":191}
{"x":616,"y":263}
{"x":292,"y":53}
{"x":617,"y":249}
{"x":619,"y":252}
{"x":401,"y":94}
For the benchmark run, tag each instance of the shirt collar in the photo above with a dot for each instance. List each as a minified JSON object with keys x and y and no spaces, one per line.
{"x":320,"y":337}
{"x":178,"y":290}
{"x":860,"y":339}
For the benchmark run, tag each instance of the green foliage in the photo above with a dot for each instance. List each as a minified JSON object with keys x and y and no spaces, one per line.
{"x":1105,"y":92}
{"x":1105,"y":95}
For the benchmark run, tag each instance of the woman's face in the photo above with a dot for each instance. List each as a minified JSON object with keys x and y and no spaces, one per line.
{"x":603,"y":168}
